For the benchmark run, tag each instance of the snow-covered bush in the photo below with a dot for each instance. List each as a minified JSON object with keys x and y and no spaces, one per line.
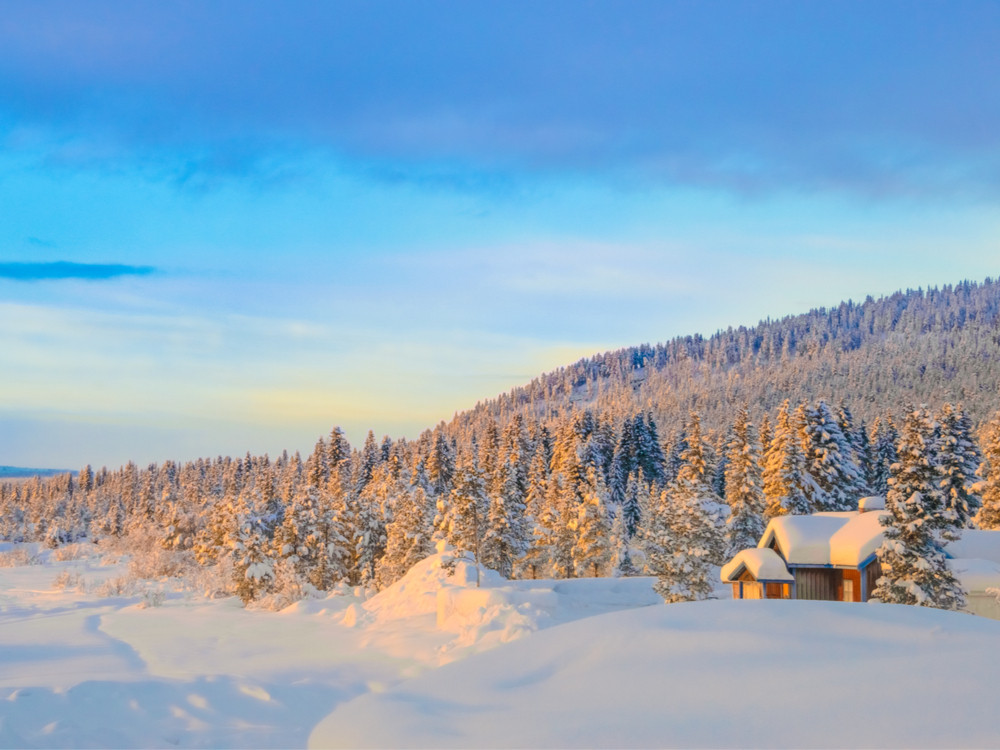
{"x":17,"y":557}
{"x":69,"y":580}
{"x":118,"y":586}
{"x":152,"y":598}
{"x":75,"y":551}
{"x":212,"y":581}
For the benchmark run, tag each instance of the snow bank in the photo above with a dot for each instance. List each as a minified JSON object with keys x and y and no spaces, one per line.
{"x":708,"y":674}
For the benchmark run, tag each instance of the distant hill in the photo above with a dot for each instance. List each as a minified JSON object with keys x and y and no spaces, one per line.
{"x":20,"y":472}
{"x":918,"y":346}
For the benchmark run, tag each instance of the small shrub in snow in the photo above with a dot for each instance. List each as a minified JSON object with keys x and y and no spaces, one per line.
{"x":17,"y":557}
{"x":77,"y":551}
{"x":118,"y":586}
{"x":152,"y":598}
{"x":212,"y":581}
{"x":69,"y":580}
{"x":286,"y":589}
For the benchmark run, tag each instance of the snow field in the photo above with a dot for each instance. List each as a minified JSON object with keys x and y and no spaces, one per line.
{"x":707,"y":674}
{"x":433,"y":661}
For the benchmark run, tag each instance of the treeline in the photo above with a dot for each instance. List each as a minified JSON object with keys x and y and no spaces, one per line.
{"x":586,"y":494}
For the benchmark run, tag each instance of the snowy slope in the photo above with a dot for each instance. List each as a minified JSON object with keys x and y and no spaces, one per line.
{"x":709,"y":674}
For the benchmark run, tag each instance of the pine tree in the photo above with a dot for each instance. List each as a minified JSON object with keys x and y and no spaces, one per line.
{"x":692,"y":486}
{"x":592,"y":548}
{"x":542,"y":521}
{"x":744,"y":493}
{"x":787,"y":484}
{"x":988,"y":486}
{"x":829,"y":461}
{"x":506,"y":535}
{"x":631,"y":506}
{"x":680,"y":545}
{"x":441,"y":465}
{"x":468,"y":508}
{"x":621,"y":552}
{"x":408,"y":537}
{"x":958,"y":459}
{"x":883,"y":454}
{"x":914,"y":567}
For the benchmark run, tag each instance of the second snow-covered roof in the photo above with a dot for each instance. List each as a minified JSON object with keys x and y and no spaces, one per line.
{"x":847,"y":538}
{"x":762,"y":564}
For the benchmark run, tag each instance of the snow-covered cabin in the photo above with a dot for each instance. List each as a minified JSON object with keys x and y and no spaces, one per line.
{"x":831,"y":556}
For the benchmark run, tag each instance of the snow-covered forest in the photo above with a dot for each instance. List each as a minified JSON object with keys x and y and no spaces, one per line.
{"x":658,"y":460}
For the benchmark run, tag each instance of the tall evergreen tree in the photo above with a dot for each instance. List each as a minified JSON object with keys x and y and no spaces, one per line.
{"x":988,"y":486}
{"x":592,"y":548}
{"x":914,"y":567}
{"x":829,"y":461}
{"x":744,"y":493}
{"x":958,"y":460}
{"x":787,"y":484}
{"x":884,"y":454}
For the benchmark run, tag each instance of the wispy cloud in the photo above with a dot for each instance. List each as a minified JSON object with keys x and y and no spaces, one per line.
{"x":68,"y":270}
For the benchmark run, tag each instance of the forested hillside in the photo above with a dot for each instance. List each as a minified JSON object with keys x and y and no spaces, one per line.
{"x":922,"y":346}
{"x":661,"y":460}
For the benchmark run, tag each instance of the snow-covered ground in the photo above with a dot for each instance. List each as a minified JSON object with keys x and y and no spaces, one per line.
{"x":433,"y":662}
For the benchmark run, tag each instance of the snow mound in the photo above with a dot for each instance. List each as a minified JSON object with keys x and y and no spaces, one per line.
{"x":416,"y":593}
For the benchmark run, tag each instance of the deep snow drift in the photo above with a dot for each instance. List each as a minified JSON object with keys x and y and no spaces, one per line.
{"x":433,"y":661}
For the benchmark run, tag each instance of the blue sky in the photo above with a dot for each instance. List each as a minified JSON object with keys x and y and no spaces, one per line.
{"x":230,"y":226}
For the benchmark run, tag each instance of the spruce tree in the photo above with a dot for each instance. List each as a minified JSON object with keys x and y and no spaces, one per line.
{"x":884,"y":454}
{"x":958,"y":460}
{"x":787,"y":484}
{"x":506,"y":537}
{"x":744,"y":493}
{"x":408,"y":537}
{"x":592,"y":548}
{"x":468,"y":508}
{"x":914,"y":567}
{"x":829,"y":461}
{"x":988,"y":486}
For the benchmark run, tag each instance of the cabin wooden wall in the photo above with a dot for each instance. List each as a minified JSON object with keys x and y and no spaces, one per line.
{"x":816,"y":583}
{"x":872,"y":573}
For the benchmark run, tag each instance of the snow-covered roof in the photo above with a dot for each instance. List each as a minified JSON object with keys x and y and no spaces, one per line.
{"x":976,"y":575}
{"x":847,"y":538}
{"x":874,"y":502}
{"x":976,"y":543}
{"x":762,"y":564}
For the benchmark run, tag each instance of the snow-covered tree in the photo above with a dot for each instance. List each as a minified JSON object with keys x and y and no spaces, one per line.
{"x":592,"y":548}
{"x":787,"y":484}
{"x":468,"y":507}
{"x":914,"y":567}
{"x":622,"y":564}
{"x":408,"y":537}
{"x":885,"y":439}
{"x":744,"y":493}
{"x":506,"y":536}
{"x":829,"y":460}
{"x":988,"y":486}
{"x":958,"y":459}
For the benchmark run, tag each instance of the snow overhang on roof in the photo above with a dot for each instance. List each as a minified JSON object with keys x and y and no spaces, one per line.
{"x":874,"y":502}
{"x":976,"y":543}
{"x":762,"y":564}
{"x":845,"y":539}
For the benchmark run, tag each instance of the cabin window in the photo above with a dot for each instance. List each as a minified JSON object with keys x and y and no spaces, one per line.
{"x":848,"y":590}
